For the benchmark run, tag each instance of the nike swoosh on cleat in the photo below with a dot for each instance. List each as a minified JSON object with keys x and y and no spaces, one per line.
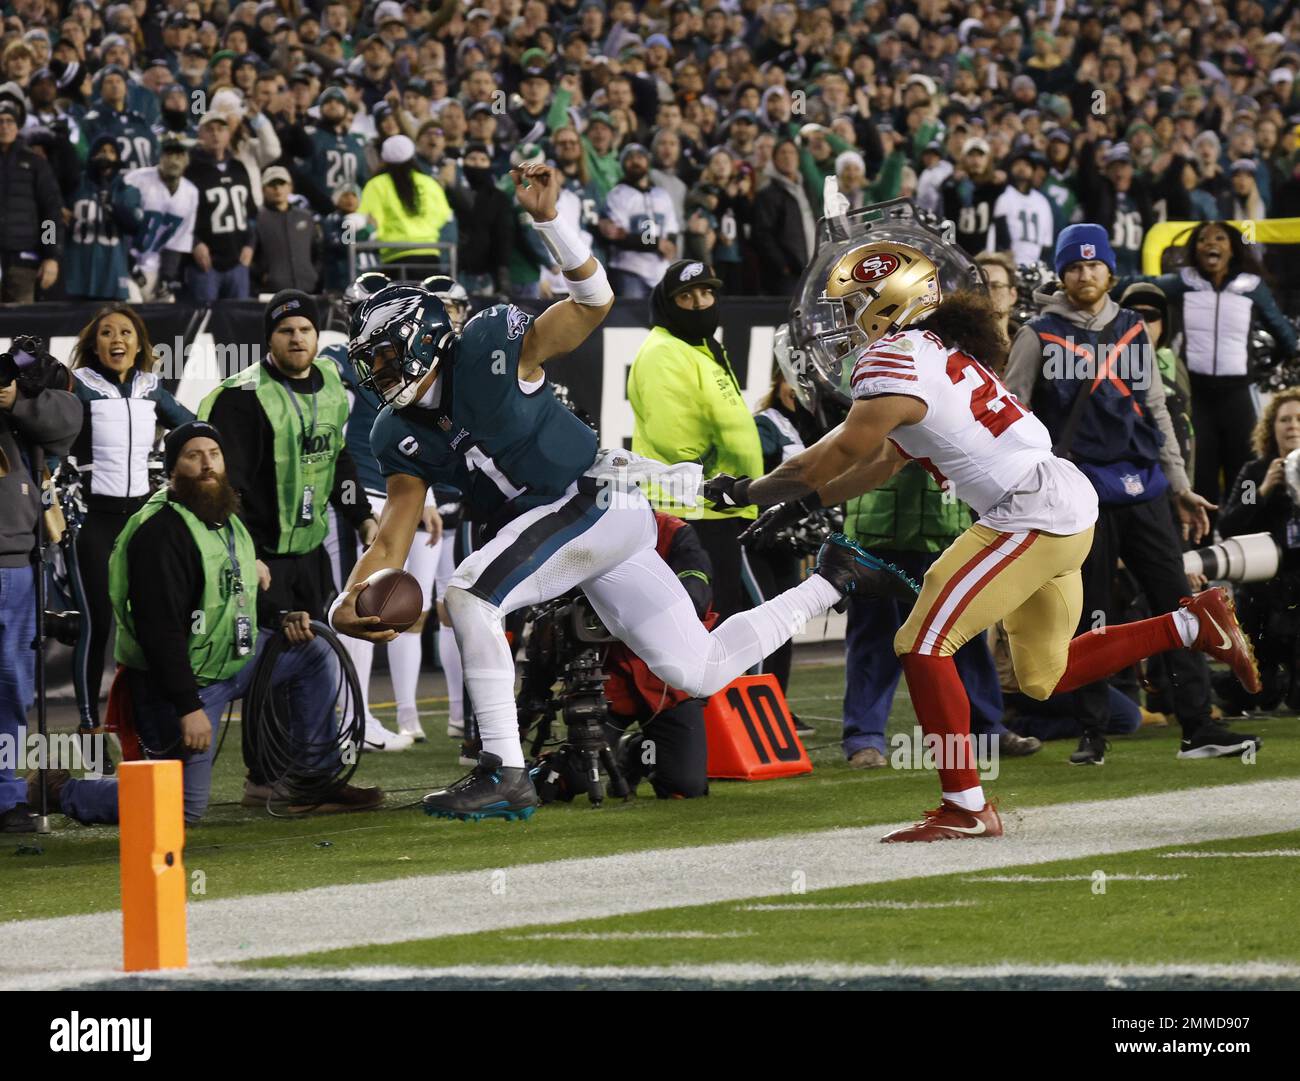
{"x":1225,"y":641}
{"x":974,"y":830}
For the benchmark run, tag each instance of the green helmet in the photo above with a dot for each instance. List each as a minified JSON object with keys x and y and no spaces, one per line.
{"x":399,"y":335}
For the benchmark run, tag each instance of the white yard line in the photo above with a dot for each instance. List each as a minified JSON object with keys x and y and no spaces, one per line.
{"x":431,"y":906}
{"x":843,"y":906}
{"x":1074,"y":878}
{"x":1265,"y":853}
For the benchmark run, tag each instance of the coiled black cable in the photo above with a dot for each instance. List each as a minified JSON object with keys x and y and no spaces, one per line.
{"x":301,"y":772}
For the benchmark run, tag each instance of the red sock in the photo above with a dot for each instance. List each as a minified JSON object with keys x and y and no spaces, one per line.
{"x":942,"y":709}
{"x":1095,"y":655}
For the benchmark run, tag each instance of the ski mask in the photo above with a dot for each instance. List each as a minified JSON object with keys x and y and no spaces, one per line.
{"x":689,"y":324}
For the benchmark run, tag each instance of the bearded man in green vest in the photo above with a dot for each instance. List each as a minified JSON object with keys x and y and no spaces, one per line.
{"x":283,"y":423}
{"x":183,"y":582}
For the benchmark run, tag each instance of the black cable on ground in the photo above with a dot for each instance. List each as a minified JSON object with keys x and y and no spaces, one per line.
{"x":301,"y":772}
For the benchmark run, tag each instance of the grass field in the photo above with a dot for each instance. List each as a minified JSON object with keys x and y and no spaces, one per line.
{"x":1018,"y":902}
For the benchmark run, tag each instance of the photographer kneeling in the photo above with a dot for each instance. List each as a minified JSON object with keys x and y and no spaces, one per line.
{"x":184,"y":581}
{"x":34,"y":421}
{"x":1263,"y":501}
{"x":671,"y":750}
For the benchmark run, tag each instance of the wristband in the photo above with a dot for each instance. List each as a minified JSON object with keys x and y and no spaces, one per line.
{"x":329,"y":616}
{"x":593,"y":291}
{"x":564,"y":242}
{"x":740,"y":492}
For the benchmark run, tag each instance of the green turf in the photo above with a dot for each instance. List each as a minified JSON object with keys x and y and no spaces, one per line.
{"x":1226,"y":911}
{"x":242,"y":852}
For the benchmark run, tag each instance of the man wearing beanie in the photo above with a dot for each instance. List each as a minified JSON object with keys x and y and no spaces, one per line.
{"x":282,"y":421}
{"x":1110,"y":417}
{"x":184,"y":583}
{"x":640,"y":226}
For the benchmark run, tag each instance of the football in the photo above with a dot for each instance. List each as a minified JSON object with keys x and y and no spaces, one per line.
{"x":394,"y":596}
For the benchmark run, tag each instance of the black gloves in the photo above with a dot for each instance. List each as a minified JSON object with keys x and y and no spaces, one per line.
{"x":763,"y":532}
{"x":727,"y":492}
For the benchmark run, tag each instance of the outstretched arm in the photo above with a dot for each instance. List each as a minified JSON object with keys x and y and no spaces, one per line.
{"x":401,"y":515}
{"x":563,"y":326}
{"x":856,"y":448}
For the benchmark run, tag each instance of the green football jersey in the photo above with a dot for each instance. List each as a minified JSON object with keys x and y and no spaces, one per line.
{"x":507,"y":449}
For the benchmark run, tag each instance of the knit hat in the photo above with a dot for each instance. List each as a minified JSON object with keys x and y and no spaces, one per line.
{"x":179,"y":436}
{"x":289,"y":302}
{"x":1082,"y":242}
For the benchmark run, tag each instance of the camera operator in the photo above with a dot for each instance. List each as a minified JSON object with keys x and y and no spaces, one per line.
{"x":1261,"y":502}
{"x":671,"y":750}
{"x":34,"y":421}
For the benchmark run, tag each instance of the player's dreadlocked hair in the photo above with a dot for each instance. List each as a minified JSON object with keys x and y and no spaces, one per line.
{"x":966,"y":320}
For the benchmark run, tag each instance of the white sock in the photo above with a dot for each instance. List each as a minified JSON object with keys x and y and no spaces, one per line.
{"x":489,"y":673}
{"x":1188,"y":625}
{"x":449,"y":656}
{"x":363,"y":656}
{"x":404,"y":655}
{"x":970,"y":799}
{"x":751,"y":635}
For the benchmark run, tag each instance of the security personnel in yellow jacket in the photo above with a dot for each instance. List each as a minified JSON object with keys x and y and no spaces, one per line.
{"x":283,"y":422}
{"x":688,"y":407}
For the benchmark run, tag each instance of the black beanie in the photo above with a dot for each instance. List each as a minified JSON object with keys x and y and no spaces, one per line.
{"x":289,"y":302}
{"x":178,"y":437}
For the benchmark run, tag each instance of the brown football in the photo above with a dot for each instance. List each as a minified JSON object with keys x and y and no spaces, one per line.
{"x":394,"y":596}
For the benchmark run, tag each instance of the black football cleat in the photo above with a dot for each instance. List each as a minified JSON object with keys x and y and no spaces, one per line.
{"x":490,"y":790}
{"x":1214,"y":740}
{"x":855,"y":572}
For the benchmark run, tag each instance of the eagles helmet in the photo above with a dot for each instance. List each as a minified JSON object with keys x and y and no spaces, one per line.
{"x":399,"y":335}
{"x":365,"y":285}
{"x":453,"y":297}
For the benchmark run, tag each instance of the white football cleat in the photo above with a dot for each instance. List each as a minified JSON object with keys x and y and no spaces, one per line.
{"x":379,"y":738}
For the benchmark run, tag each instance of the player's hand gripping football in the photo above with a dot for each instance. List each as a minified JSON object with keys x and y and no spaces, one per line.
{"x":345,"y":620}
{"x":537,"y":187}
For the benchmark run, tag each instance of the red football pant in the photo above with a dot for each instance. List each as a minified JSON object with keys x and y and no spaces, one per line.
{"x":943,"y":710}
{"x":1094,"y":655}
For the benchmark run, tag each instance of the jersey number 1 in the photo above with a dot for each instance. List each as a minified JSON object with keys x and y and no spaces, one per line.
{"x":996,"y":411}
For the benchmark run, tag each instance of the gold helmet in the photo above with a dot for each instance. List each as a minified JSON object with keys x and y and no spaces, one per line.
{"x":882,"y":286}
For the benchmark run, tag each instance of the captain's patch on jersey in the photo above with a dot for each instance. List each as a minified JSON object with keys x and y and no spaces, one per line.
{"x":517,"y":321}
{"x":409,"y":446}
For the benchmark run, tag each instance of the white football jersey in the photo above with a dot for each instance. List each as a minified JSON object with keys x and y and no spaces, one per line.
{"x":168,"y":217}
{"x":648,"y":214}
{"x":976,"y":439}
{"x":1029,"y":223}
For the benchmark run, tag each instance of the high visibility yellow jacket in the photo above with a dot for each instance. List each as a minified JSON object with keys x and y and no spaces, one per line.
{"x":379,"y":200}
{"x":689,"y":408}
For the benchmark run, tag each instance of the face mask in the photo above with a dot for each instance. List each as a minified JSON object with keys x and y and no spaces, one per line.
{"x":692,"y":324}
{"x":175,"y":119}
{"x":477,"y":176}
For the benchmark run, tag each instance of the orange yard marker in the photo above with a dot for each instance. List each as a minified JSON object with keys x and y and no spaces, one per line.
{"x":751,"y":734}
{"x":152,"y":830}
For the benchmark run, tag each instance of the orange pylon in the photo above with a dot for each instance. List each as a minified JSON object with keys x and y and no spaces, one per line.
{"x":152,"y":838}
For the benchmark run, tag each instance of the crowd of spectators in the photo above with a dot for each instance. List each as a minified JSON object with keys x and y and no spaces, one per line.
{"x":205,"y":149}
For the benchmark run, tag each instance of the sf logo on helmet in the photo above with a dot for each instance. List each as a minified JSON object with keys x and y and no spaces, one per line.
{"x":875,"y":267}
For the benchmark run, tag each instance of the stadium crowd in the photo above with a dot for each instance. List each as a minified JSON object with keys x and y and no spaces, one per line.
{"x":216,"y":150}
{"x":200,"y":151}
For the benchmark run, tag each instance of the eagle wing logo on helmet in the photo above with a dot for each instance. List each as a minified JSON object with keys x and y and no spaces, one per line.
{"x":874,"y":267}
{"x":385,"y":312}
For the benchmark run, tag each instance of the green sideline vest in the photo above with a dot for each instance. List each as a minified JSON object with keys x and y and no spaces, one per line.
{"x":907,"y":514}
{"x":213,"y":656}
{"x":300,"y":463}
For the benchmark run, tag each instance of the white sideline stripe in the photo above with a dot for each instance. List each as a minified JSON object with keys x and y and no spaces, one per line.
{"x":722,"y":972}
{"x":1073,"y":878}
{"x":560,"y":891}
{"x":625,"y":936}
{"x":837,"y":906}
{"x":1287,"y":852}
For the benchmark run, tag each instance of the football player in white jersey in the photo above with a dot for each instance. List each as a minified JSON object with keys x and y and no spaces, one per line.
{"x":922,"y":393}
